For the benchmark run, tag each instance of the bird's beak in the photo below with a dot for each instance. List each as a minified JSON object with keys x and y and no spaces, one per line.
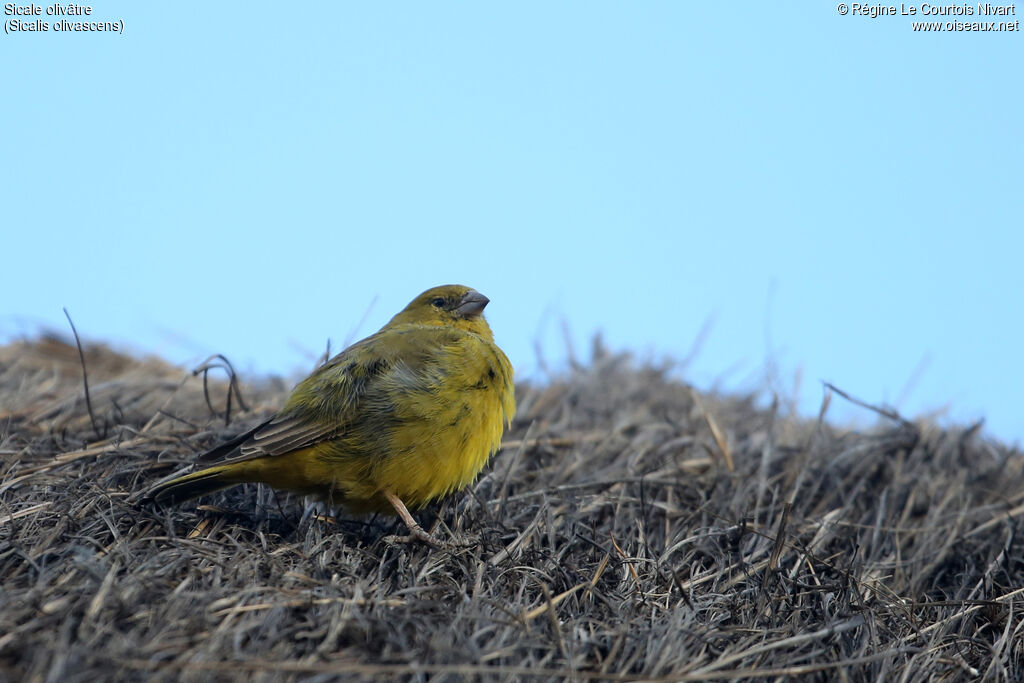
{"x":472,"y":304}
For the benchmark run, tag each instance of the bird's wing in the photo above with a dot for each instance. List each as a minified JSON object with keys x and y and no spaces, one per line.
{"x":284,"y":434}
{"x":351,"y":389}
{"x":226,"y":449}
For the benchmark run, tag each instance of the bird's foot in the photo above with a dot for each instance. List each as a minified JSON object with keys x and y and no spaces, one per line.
{"x":416,"y":533}
{"x":419,"y":535}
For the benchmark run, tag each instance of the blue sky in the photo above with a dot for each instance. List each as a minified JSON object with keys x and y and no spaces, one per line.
{"x":838,"y":197}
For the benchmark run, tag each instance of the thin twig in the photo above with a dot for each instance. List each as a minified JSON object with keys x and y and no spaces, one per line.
{"x":85,"y":381}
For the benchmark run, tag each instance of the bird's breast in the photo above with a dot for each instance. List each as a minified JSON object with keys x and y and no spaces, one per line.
{"x":444,"y":432}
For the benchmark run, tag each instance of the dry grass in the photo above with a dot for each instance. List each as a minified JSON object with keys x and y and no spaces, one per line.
{"x":627,"y":530}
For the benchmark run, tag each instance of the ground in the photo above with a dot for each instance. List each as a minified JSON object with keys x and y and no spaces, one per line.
{"x":629,"y":528}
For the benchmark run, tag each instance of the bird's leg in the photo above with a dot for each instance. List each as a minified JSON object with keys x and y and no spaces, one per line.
{"x":416,"y":532}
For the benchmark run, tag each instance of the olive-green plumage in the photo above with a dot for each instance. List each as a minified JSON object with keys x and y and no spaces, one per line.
{"x":411,"y":413}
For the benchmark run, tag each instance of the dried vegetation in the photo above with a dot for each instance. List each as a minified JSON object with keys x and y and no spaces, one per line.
{"x":628,"y":529}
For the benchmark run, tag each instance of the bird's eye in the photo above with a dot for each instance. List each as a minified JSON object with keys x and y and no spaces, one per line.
{"x":438,"y":301}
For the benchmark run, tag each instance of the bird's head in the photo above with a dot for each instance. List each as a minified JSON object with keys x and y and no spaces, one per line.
{"x":454,"y":305}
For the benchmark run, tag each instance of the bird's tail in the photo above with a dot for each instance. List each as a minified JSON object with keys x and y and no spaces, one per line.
{"x":200,"y":483}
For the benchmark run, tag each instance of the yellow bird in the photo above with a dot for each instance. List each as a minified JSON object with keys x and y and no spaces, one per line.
{"x":401,"y":418}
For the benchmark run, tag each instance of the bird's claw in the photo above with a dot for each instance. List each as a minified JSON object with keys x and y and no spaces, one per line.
{"x":416,"y":533}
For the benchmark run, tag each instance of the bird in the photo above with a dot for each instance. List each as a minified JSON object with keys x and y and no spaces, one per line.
{"x":399,"y":419}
